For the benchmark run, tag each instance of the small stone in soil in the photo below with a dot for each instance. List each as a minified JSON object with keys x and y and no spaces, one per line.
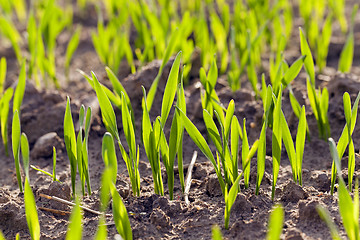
{"x":43,"y":147}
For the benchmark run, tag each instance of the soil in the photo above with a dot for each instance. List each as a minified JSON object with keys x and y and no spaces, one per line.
{"x":156,"y":217}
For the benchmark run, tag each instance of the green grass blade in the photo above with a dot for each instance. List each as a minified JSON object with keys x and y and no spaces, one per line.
{"x":293,"y":71}
{"x":276,"y":223}
{"x":173,"y":148}
{"x":230,"y":199}
{"x":31,"y":212}
{"x":308,"y":62}
{"x":24,"y":143}
{"x":20,"y":88}
{"x":234,"y":139}
{"x":216,"y":233}
{"x":71,"y":48}
{"x":119,"y":89}
{"x":4,"y":115}
{"x":170,"y":89}
{"x":115,"y":99}
{"x":128,"y":127}
{"x":325,"y":216}
{"x":300,"y":143}
{"x":346,"y":209}
{"x":109,"y":155}
{"x":169,"y":50}
{"x":106,"y":181}
{"x":289,"y":146}
{"x":261,"y":157}
{"x":347,"y":108}
{"x":75,"y":227}
{"x":54,"y":164}
{"x":101,"y":232}
{"x":107,"y":112}
{"x":276,"y":142}
{"x":121,"y":218}
{"x":70,"y":142}
{"x":351,"y":164}
{"x":347,"y":54}
{"x":2,"y":236}
{"x":3,"y":67}
{"x":228,"y":118}
{"x":212,"y":131}
{"x":15,"y":135}
{"x":244,"y":155}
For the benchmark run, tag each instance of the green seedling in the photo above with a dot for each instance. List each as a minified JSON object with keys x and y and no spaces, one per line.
{"x":70,"y":143}
{"x":44,"y":172}
{"x":75,"y":228}
{"x":109,"y":119}
{"x":36,"y":50}
{"x":345,"y":139}
{"x":230,"y":198}
{"x":209,"y":99}
{"x":338,"y":8}
{"x":20,"y":89}
{"x":24,"y":145}
{"x":169,"y":50}
{"x":227,"y":163}
{"x":247,"y":153}
{"x":220,"y":35}
{"x":153,"y":136}
{"x":15,"y":137}
{"x":202,"y":145}
{"x":71,"y":48}
{"x":308,"y":62}
{"x":82,"y":147}
{"x":54,"y":164}
{"x":101,"y":232}
{"x":216,"y":233}
{"x":112,"y":45}
{"x":261,"y":153}
{"x":53,"y":175}
{"x":4,"y":115}
{"x":347,"y":54}
{"x":177,"y":134}
{"x":276,"y":222}
{"x":285,"y":74}
{"x":2,"y":236}
{"x":31,"y":212}
{"x":51,"y":24}
{"x":229,"y":158}
{"x":323,"y":42}
{"x":348,"y":208}
{"x":109,"y":155}
{"x":121,"y":218}
{"x":295,"y":154}
{"x":319,"y":100}
{"x":3,"y":69}
{"x":325,"y":216}
{"x":297,"y":109}
{"x":77,"y":148}
{"x":9,"y":30}
{"x":276,"y":139}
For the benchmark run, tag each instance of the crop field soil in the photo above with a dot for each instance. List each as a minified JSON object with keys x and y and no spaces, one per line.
{"x":151,"y":215}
